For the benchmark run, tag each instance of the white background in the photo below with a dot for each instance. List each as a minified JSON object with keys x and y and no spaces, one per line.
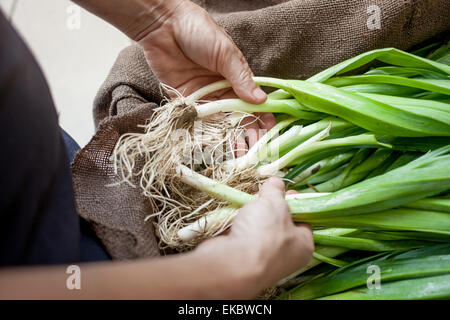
{"x":75,"y":61}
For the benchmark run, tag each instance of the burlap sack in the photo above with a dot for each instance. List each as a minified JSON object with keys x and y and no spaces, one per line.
{"x":288,"y":39}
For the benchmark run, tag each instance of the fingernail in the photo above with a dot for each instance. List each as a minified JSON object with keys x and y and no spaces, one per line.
{"x":259,"y":94}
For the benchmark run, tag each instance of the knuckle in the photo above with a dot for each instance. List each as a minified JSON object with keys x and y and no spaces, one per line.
{"x":252,"y":206}
{"x":283,"y":207}
{"x":243,"y":75}
{"x":290,"y":241}
{"x":266,"y":203}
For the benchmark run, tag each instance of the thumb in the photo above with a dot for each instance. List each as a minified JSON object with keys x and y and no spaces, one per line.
{"x":236,"y":70}
{"x":272,"y":188}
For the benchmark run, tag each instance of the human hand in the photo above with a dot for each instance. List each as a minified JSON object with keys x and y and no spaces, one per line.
{"x":185,"y":48}
{"x":188,"y":50}
{"x":269,"y":245}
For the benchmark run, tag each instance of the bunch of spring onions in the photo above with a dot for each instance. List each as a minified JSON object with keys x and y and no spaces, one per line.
{"x":366,"y":143}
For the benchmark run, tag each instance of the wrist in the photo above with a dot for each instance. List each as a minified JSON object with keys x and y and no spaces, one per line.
{"x":135,"y":18}
{"x":154,"y":14}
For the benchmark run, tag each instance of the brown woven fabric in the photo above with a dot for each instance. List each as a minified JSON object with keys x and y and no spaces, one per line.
{"x":287,"y":39}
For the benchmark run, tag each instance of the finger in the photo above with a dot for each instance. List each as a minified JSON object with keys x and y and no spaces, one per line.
{"x":291,"y":192}
{"x":220,"y":94}
{"x":193,"y":84}
{"x":272,"y":188}
{"x":241,"y":146}
{"x":216,"y":116}
{"x":266,"y":120}
{"x":261,"y":132}
{"x":230,"y":94}
{"x":252,"y":134}
{"x":234,"y":67}
{"x":251,"y":130}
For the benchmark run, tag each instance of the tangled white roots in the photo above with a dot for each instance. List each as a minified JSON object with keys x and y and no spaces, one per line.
{"x":171,"y":137}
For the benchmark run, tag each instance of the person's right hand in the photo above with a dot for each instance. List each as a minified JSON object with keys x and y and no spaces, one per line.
{"x":187,"y":50}
{"x":273,"y":246}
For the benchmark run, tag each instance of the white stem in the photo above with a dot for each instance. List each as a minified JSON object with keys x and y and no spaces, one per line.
{"x":271,"y":168}
{"x":256,"y":153}
{"x":228,"y":105}
{"x":305,"y":195}
{"x":224,"y":84}
{"x":335,"y":231}
{"x":274,"y":145}
{"x":213,"y":87}
{"x":204,"y":224}
{"x":216,"y":189}
{"x":207,"y":109}
{"x":222,"y":216}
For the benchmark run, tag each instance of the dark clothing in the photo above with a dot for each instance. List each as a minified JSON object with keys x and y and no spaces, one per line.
{"x":39,"y":223}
